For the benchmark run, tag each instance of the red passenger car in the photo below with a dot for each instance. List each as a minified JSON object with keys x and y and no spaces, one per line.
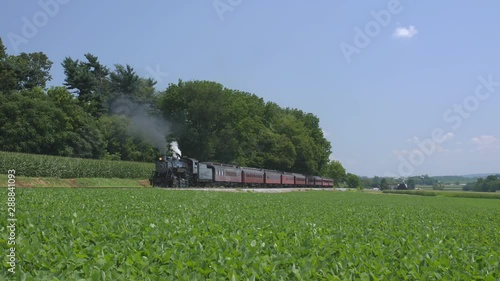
{"x":223,"y":173}
{"x":252,"y":176}
{"x":300,"y":180}
{"x":327,"y":182}
{"x":287,"y":179}
{"x":272,"y":177}
{"x":318,"y":181}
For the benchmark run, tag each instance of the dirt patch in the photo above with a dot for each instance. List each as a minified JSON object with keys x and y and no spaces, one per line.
{"x":39,"y":182}
{"x":22,"y":183}
{"x":72,"y":182}
{"x":144,"y":183}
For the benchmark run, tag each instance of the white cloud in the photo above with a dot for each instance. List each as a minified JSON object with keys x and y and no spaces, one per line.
{"x":405,"y":32}
{"x":448,"y":136}
{"x":486,"y":143}
{"x":485,"y":140}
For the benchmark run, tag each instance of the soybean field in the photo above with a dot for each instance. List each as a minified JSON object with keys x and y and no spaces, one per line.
{"x":157,"y":234}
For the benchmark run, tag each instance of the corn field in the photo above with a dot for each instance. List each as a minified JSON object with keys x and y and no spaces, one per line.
{"x":33,"y":165}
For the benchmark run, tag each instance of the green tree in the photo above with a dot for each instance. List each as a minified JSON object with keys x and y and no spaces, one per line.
{"x":8,"y":78}
{"x":124,"y":80}
{"x":425,"y":180}
{"x":312,"y":148}
{"x":196,"y":111}
{"x":411,"y":183}
{"x":219,"y":124}
{"x":366,"y":182}
{"x":279,"y":151}
{"x":125,"y":84}
{"x":335,"y":171}
{"x":489,"y":184}
{"x":384,"y":184}
{"x":3,"y":50}
{"x":353,"y":181}
{"x":438,"y":186}
{"x":24,"y":71}
{"x":470,"y":186}
{"x":375,"y":182}
{"x":53,"y":125}
{"x":146,"y":90}
{"x":118,"y":142}
{"x":79,"y":79}
{"x":29,"y":131}
{"x":80,"y":137}
{"x":89,"y":80}
{"x":32,"y":70}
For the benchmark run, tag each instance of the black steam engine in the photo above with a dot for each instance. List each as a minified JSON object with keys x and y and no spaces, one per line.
{"x":170,"y":172}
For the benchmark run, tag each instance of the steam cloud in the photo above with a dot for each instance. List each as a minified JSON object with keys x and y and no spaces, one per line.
{"x":176,"y":152}
{"x":151,"y":129}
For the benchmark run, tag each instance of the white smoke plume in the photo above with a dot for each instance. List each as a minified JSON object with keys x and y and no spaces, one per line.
{"x":176,"y":152}
{"x":151,"y":129}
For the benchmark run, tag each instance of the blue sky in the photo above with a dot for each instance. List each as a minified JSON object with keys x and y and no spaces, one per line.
{"x":384,"y":77}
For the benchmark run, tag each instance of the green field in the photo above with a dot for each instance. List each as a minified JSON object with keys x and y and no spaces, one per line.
{"x":36,"y":165}
{"x":157,"y":234}
{"x":76,"y":182}
{"x":446,"y":193}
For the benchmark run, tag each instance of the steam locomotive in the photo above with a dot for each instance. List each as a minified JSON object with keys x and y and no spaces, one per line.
{"x":185,"y":172}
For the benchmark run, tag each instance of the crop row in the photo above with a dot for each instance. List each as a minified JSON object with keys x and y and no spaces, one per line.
{"x":156,"y":234}
{"x":33,"y":165}
{"x":446,"y":193}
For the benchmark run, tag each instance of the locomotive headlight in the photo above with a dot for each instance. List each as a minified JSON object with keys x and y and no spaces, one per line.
{"x":160,"y":159}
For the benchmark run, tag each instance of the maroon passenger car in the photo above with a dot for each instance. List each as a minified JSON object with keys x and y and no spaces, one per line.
{"x":251,"y":176}
{"x":223,"y":173}
{"x":300,"y":180}
{"x":287,"y":179}
{"x":272,"y":177}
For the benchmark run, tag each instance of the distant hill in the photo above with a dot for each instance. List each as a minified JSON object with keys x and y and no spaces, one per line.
{"x":479,"y":175}
{"x":462,"y":178}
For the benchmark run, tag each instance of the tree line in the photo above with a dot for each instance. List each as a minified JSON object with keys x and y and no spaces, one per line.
{"x":489,"y":184}
{"x":209,"y":121}
{"x":384,"y":183}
